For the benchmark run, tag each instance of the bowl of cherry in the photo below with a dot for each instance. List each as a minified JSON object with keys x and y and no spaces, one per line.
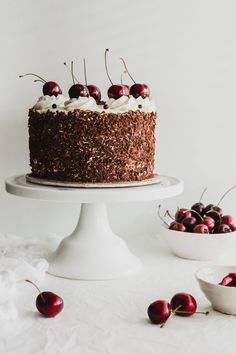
{"x":218,"y":283}
{"x":202,"y":232}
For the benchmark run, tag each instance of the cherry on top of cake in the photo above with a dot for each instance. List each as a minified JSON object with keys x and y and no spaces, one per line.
{"x":50,"y":88}
{"x":117,"y":91}
{"x":79,"y":90}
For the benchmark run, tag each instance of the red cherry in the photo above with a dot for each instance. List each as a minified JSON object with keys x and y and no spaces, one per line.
{"x":182,"y":213}
{"x":137,"y":90}
{"x":214,"y":215}
{"x":199,"y":208}
{"x":117,"y":91}
{"x":209,"y":222}
{"x":208,"y":207}
{"x":94,"y":92}
{"x":229,"y":280}
{"x":228,"y":220}
{"x":189,"y":223}
{"x":183,"y":304}
{"x":51,"y":88}
{"x":49,"y":304}
{"x":159,"y":311}
{"x":176,"y":226}
{"x":223,"y":229}
{"x":78,"y":90}
{"x":201,"y":229}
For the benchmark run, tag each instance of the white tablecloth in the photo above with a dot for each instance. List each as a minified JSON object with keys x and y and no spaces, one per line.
{"x":110,"y":317}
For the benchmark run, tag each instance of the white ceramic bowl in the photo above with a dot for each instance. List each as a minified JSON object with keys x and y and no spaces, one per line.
{"x":202,"y":247}
{"x":222,"y":298}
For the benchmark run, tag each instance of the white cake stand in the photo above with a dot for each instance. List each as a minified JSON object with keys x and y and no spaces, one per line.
{"x":93,"y":251}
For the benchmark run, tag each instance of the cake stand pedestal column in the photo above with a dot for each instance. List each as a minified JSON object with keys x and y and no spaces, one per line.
{"x":93,"y":251}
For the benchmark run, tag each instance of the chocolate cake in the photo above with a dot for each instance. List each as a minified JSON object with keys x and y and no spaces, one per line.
{"x":85,"y":140}
{"x":90,"y":146}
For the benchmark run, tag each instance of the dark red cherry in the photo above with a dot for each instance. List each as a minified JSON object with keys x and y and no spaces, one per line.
{"x":228,"y":220}
{"x":78,"y":90}
{"x":51,"y":88}
{"x":201,"y":229}
{"x":182,"y":213}
{"x":183,"y":304}
{"x":218,"y":209}
{"x":229,"y":280}
{"x":49,"y":304}
{"x":94,"y":92}
{"x":209,"y":222}
{"x":214,"y":215}
{"x":117,"y":91}
{"x":137,"y":90}
{"x":176,"y":226}
{"x":199,"y":208}
{"x":208,"y":207}
{"x":223,"y":229}
{"x":159,"y":311}
{"x":189,"y":223}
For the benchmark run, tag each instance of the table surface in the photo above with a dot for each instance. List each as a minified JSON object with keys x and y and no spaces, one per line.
{"x":109,"y":317}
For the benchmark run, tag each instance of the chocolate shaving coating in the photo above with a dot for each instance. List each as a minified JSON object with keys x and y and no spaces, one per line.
{"x":85,"y":146}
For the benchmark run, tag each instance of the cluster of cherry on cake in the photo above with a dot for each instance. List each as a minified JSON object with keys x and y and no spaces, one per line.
{"x":77,"y":90}
{"x":200,"y":218}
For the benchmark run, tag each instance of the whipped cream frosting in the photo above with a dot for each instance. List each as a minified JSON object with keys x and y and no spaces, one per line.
{"x":81,"y":103}
{"x":46,"y":102}
{"x":124,"y":104}
{"x":120,"y":105}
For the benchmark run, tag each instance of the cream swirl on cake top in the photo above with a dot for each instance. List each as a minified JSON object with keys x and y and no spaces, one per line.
{"x":51,"y":103}
{"x":129,"y":103}
{"x":86,"y":103}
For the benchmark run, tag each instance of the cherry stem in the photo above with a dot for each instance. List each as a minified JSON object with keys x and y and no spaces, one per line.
{"x":127,"y":70}
{"x":204,"y":191}
{"x":121,"y":77}
{"x":194,"y":211}
{"x":39,"y":81}
{"x":224,"y":195}
{"x":30,"y":74}
{"x":71,"y":72}
{"x":85,"y":73}
{"x":159,"y":214}
{"x":171,"y":314}
{"x":198,"y":312}
{"x":107,"y":50}
{"x":29,"y":281}
{"x":169,"y":214}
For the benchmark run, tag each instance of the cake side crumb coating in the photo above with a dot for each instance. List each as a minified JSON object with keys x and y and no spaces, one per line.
{"x":92,"y":147}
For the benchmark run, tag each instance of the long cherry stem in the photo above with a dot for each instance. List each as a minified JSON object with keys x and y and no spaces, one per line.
{"x":71,"y":71}
{"x":159,"y":214}
{"x":39,"y":81}
{"x":121,"y":76}
{"x":29,"y":281}
{"x":127,"y":70}
{"x":203,"y":192}
{"x":198,"y":312}
{"x":30,"y":74}
{"x":85,"y":73}
{"x":107,"y":50}
{"x":171,"y":314}
{"x":169,"y":214}
{"x":224,"y":195}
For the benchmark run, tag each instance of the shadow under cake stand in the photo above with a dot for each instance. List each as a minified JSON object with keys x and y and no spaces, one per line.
{"x":93,"y":251}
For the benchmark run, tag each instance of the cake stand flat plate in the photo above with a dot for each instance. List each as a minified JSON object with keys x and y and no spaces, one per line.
{"x":47,"y":182}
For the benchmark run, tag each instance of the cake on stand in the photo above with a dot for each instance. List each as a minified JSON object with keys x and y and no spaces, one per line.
{"x":93,"y":251}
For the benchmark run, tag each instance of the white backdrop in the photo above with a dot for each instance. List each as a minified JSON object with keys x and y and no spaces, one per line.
{"x":184,"y":50}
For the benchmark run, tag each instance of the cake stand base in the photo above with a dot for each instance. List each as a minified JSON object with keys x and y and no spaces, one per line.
{"x":93,"y":251}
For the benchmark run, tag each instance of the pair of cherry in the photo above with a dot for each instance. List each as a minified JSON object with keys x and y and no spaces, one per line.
{"x":181,"y":304}
{"x":77,"y":90}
